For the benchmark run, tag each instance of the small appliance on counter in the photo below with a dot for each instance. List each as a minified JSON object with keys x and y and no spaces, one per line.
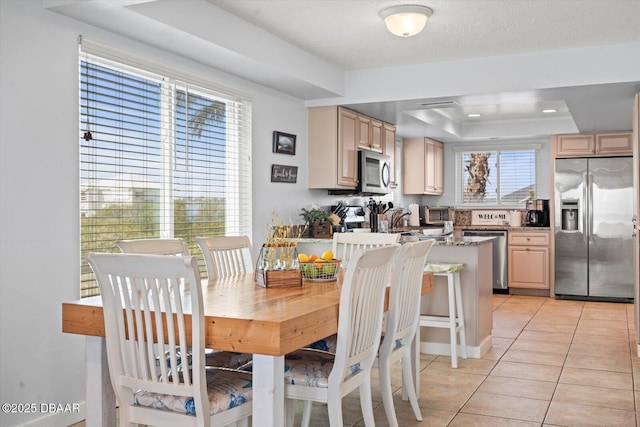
{"x":537,"y":213}
{"x":437,"y":215}
{"x":354,"y":217}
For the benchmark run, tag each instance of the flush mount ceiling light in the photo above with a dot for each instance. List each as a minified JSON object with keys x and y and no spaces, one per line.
{"x":550,"y":110}
{"x":406,"y":20}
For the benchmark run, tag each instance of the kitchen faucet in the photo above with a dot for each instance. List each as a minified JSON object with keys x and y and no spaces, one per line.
{"x":395,"y":220}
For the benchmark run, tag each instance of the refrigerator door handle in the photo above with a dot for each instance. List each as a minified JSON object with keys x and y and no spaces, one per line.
{"x":583,"y":217}
{"x":590,"y":206}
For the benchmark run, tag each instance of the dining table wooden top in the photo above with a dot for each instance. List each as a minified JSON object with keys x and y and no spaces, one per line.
{"x":244,"y":317}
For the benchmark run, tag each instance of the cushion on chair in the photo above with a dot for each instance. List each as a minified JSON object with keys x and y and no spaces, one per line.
{"x":227,"y":388}
{"x":229,"y":359}
{"x":327,"y":344}
{"x":220,"y":359}
{"x":310,"y":368}
{"x":443,"y":267}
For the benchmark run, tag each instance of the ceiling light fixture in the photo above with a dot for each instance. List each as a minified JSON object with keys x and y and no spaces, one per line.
{"x":406,"y":20}
{"x":473,"y":115}
{"x":549,"y":110}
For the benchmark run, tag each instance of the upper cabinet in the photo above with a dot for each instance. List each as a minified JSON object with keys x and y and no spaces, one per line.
{"x":389,"y":149}
{"x":422,"y":166}
{"x":593,"y":145}
{"x":369,"y":133}
{"x":333,"y":148}
{"x":335,"y":135}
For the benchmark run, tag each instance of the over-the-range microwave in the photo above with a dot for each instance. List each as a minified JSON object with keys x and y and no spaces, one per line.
{"x":374,"y":172}
{"x":374,"y":175}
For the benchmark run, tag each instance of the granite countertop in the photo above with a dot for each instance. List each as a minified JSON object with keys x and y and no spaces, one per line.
{"x":449,"y":241}
{"x":500,"y":227}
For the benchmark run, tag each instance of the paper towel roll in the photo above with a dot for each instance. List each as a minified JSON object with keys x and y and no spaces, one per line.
{"x":414,"y":218}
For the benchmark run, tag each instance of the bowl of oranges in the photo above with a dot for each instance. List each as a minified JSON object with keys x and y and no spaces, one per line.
{"x":319,"y":268}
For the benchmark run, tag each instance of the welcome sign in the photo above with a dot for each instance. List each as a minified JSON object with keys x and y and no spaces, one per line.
{"x":486,"y":217}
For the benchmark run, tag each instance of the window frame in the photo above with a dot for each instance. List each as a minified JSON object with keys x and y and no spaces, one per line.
{"x":236,"y":137}
{"x":459,"y":152}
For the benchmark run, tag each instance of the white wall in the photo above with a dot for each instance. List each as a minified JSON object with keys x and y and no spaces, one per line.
{"x":39,"y":238}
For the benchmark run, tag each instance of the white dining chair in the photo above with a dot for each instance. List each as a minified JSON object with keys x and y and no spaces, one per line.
{"x":401,"y":325}
{"x":226,"y":255}
{"x":177,"y":246}
{"x":315,"y":376}
{"x":133,"y":288}
{"x":344,"y":245}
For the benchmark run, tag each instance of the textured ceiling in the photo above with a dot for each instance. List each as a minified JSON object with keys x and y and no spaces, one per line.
{"x":349,"y":33}
{"x":504,"y":59}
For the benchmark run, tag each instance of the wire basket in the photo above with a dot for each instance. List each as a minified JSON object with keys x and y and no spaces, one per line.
{"x":320,"y":270}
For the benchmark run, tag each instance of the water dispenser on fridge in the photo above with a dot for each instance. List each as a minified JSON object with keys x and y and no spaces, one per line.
{"x":569,"y":212}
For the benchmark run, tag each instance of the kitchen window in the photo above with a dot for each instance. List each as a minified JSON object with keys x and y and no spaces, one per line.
{"x":160,"y":157}
{"x":496,"y":177}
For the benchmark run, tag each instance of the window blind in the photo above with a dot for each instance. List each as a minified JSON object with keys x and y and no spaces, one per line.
{"x":159,"y":158}
{"x":495,"y":177}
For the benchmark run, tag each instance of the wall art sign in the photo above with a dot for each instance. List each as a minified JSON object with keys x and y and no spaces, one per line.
{"x":489,"y":217}
{"x":284,"y":173}
{"x":284,"y":143}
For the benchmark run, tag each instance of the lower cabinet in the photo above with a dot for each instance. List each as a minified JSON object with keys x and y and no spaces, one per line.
{"x":529,"y":259}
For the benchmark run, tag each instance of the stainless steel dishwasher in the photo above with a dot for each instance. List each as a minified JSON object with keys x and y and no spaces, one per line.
{"x":500,"y":277}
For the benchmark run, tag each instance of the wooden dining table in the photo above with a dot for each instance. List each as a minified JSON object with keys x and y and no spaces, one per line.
{"x":239,"y":316}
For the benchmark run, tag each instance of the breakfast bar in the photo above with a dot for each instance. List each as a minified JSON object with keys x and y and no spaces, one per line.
{"x":476,"y":253}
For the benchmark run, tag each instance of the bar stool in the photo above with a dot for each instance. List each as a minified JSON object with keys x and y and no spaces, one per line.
{"x":453,"y":322}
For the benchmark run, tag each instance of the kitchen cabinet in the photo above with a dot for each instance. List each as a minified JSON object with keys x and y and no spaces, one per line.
{"x":333,"y":148}
{"x":369,"y":133}
{"x":377,"y":135}
{"x":529,"y":259}
{"x":590,"y":145}
{"x":422,"y":166}
{"x":389,"y":149}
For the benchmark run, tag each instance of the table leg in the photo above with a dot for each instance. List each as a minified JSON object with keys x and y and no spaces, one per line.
{"x":268,"y":391}
{"x":101,"y":400}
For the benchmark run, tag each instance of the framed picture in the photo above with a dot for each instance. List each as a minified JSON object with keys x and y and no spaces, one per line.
{"x":284,"y":173}
{"x":284,"y":143}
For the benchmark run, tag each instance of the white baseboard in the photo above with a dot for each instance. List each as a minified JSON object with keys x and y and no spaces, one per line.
{"x":444,"y":349}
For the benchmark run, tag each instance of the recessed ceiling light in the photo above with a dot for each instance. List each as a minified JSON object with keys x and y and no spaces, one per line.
{"x":550,"y":110}
{"x":473,"y":115}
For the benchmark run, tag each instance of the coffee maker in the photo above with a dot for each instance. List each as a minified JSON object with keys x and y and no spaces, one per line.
{"x":537,"y":213}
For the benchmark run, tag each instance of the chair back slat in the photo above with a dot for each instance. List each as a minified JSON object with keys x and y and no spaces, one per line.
{"x":226,"y":256}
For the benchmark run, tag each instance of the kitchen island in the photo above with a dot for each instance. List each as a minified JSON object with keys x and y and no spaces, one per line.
{"x":476,"y":279}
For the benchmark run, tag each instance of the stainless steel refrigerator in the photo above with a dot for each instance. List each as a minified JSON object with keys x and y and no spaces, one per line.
{"x":593,"y":228}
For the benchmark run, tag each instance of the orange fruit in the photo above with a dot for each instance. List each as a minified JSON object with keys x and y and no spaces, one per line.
{"x":313,"y":257}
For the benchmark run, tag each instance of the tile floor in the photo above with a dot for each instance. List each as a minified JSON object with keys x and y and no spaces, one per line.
{"x":553,"y":363}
